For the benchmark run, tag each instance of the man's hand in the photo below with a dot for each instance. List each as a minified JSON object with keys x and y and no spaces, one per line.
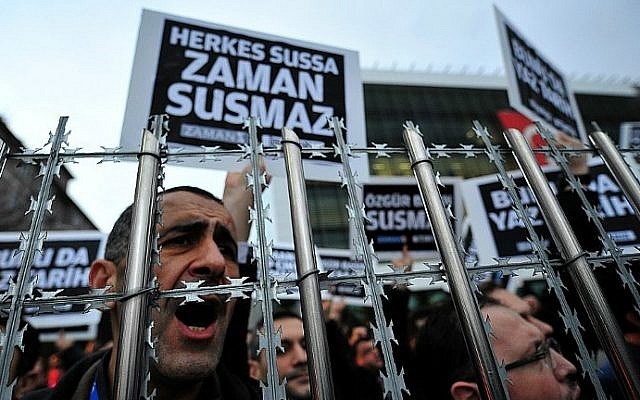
{"x":406,"y":261}
{"x":577,"y":163}
{"x":333,"y":309}
{"x":238,"y":198}
{"x":63,"y":342}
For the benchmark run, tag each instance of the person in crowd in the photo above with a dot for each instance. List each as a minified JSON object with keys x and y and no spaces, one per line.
{"x":349,"y":381}
{"x":516,"y":303}
{"x":68,"y":351}
{"x":199,"y":243}
{"x":366,"y":355}
{"x":622,"y":305}
{"x":291,"y":359}
{"x":33,"y":379}
{"x":442,"y":368}
{"x":356,"y":333}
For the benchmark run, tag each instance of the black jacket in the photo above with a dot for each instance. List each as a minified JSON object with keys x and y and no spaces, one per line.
{"x":78,"y":382}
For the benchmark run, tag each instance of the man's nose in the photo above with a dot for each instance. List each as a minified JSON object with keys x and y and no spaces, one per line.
{"x":209,"y":262}
{"x":563,"y":369}
{"x":299,"y":355}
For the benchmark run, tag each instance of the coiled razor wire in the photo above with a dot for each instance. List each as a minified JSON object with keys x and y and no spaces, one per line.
{"x":23,"y":292}
{"x":569,"y":317}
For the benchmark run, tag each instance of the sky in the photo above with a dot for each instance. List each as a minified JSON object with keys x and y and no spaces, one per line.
{"x":75,"y":57}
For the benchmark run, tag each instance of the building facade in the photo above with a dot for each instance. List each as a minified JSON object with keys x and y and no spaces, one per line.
{"x":19,"y":183}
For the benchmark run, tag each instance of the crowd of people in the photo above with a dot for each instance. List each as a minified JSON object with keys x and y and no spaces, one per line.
{"x":207,"y":350}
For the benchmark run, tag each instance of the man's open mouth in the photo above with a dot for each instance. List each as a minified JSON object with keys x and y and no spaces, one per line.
{"x":198,"y":316}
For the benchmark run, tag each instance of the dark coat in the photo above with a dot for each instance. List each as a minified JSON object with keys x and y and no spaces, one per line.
{"x":77,"y":383}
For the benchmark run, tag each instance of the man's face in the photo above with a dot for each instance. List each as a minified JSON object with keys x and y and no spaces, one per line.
{"x":516,"y":339}
{"x":368,"y":355}
{"x":197,"y":239}
{"x":292,"y":362}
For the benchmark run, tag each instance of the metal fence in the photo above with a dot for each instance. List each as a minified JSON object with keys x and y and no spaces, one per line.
{"x":136,"y":338}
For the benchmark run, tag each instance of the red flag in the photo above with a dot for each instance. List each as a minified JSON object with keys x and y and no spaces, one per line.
{"x":510,"y":119}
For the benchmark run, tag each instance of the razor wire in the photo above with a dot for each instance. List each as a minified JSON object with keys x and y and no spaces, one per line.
{"x":610,"y":247}
{"x":584,"y":282}
{"x":554,"y":282}
{"x":393,"y":380}
{"x":25,"y":294}
{"x":22,"y":286}
{"x":270,"y":340}
{"x":476,"y":330}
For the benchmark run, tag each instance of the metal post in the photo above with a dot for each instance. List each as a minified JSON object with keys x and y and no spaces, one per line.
{"x":606,"y":327}
{"x":620,"y":170}
{"x":312,"y":316}
{"x":4,"y":149}
{"x":133,"y":314}
{"x":465,"y":303}
{"x":23,"y":285}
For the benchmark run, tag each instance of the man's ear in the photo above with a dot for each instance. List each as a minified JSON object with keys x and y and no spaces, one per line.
{"x":255,"y":370}
{"x":462,"y":390}
{"x":103,"y":273}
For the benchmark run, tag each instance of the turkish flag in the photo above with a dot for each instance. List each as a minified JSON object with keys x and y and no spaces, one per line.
{"x":510,"y":119}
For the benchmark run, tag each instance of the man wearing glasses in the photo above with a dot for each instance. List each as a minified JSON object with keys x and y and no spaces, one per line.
{"x":535,"y":369}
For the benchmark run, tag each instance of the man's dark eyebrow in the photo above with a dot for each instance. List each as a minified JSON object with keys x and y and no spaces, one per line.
{"x":222,"y":233}
{"x":191,"y":227}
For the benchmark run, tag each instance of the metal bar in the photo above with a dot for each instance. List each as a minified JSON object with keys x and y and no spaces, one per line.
{"x":393,"y":381}
{"x":269,"y":338}
{"x":620,"y":170}
{"x":4,"y":150}
{"x":312,"y":315}
{"x":23,"y":285}
{"x":605,"y":325}
{"x":466,"y":305}
{"x":551,"y":276}
{"x":133,"y":314}
{"x":610,"y":246}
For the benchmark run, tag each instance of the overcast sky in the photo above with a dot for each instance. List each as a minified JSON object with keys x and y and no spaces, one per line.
{"x":74,"y":57}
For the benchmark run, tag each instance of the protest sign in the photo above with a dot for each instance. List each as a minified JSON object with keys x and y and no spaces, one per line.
{"x":536,"y":87}
{"x":630,"y":135}
{"x":396,"y":215}
{"x":498,"y":232}
{"x":336,"y":262}
{"x":630,"y":138}
{"x":63,"y":263}
{"x":209,"y":78}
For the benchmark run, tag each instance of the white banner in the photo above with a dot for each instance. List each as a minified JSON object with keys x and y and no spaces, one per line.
{"x":537,"y":88}
{"x":63,"y":263}
{"x":209,"y":78}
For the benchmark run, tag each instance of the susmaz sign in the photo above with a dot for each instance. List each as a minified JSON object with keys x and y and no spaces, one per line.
{"x":396,"y":215}
{"x":63,"y":263}
{"x":537,"y":88}
{"x":336,"y":262}
{"x":498,"y":232}
{"x":209,"y":78}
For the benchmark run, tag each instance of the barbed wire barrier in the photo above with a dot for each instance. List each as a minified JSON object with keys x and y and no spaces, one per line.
{"x":141,"y":290}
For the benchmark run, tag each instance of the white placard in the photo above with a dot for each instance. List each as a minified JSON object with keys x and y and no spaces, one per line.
{"x":536,"y":87}
{"x":209,"y":78}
